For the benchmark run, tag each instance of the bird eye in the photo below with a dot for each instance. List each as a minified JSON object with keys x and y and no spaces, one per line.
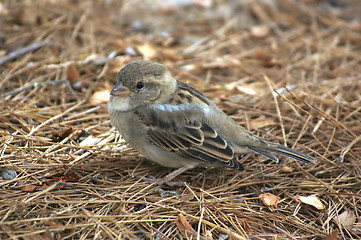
{"x":140,"y":85}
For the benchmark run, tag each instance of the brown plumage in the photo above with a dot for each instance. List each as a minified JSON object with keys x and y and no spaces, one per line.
{"x":177,"y":126}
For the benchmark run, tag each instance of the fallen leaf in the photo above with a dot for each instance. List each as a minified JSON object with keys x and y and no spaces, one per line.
{"x":47,"y":235}
{"x":120,"y":45}
{"x":96,"y":59}
{"x":266,"y":58}
{"x":30,"y":188}
{"x":260,"y":123}
{"x":287,"y":169}
{"x":332,"y":235}
{"x":254,"y":89}
{"x":99,"y":97}
{"x":72,"y":74}
{"x":73,"y":156}
{"x":185,"y":223}
{"x":52,"y":223}
{"x":204,"y":3}
{"x":29,"y":16}
{"x":172,"y":55}
{"x":312,"y":200}
{"x":3,"y":10}
{"x":270,"y":200}
{"x":221,"y":62}
{"x":184,"y":227}
{"x":279,"y":238}
{"x":69,"y":176}
{"x":147,"y":50}
{"x":59,"y":136}
{"x":346,"y":219}
{"x":260,"y":31}
{"x":115,"y":65}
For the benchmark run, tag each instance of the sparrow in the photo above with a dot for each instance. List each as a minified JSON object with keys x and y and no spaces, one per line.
{"x":176,"y":126}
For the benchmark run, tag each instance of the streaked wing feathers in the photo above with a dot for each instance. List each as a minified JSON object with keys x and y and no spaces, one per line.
{"x":182,"y":129}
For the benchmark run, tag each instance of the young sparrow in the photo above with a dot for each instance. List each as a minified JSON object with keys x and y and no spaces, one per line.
{"x":175,"y":125}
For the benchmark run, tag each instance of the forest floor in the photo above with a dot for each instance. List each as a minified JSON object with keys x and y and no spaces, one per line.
{"x":287,"y":70}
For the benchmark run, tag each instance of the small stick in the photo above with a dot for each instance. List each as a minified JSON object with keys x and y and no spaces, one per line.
{"x":347,"y":148}
{"x":51,"y":187}
{"x":21,"y":51}
{"x":54,"y":118}
{"x":34,"y":85}
{"x":277,"y":107}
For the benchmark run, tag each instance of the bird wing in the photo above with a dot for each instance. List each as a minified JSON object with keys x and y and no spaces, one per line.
{"x":183,"y":129}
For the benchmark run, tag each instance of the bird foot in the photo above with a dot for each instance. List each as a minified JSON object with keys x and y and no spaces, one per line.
{"x":167,"y":179}
{"x":161,"y":181}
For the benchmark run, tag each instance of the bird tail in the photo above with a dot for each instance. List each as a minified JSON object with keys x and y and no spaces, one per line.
{"x":284,"y":151}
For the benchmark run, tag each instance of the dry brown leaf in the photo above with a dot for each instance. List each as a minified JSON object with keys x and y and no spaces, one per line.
{"x":52,"y":223}
{"x":332,"y":235}
{"x":99,"y":97}
{"x":47,"y":235}
{"x":29,"y":16}
{"x":255,"y":88}
{"x":73,"y":156}
{"x":221,"y":62}
{"x":260,"y":123}
{"x":184,"y":226}
{"x":279,"y":238}
{"x":260,"y":31}
{"x":2,"y":53}
{"x":114,"y":66}
{"x":172,"y":55}
{"x":185,"y":223}
{"x":270,"y":200}
{"x":3,"y":10}
{"x":204,"y":3}
{"x":30,"y":188}
{"x":287,"y":169}
{"x":266,"y":58}
{"x":59,"y":136}
{"x":147,"y":50}
{"x":346,"y":219}
{"x":72,"y":74}
{"x":120,"y":45}
{"x":67,"y":176}
{"x":312,"y":200}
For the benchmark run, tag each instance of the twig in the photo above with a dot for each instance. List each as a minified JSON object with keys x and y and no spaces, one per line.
{"x":206,"y":222}
{"x":321,"y":113}
{"x":54,"y":118}
{"x":42,"y":192}
{"x":348,"y":147}
{"x":35,"y":85}
{"x":277,"y":108}
{"x":21,"y":51}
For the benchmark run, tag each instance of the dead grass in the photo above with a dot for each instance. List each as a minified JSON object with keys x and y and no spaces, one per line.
{"x":287,"y":70}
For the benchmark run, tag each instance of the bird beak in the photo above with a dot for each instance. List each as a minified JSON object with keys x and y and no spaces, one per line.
{"x":120,"y":90}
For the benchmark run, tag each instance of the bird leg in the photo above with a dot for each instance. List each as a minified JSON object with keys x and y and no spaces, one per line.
{"x":170,"y":176}
{"x":167,"y":179}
